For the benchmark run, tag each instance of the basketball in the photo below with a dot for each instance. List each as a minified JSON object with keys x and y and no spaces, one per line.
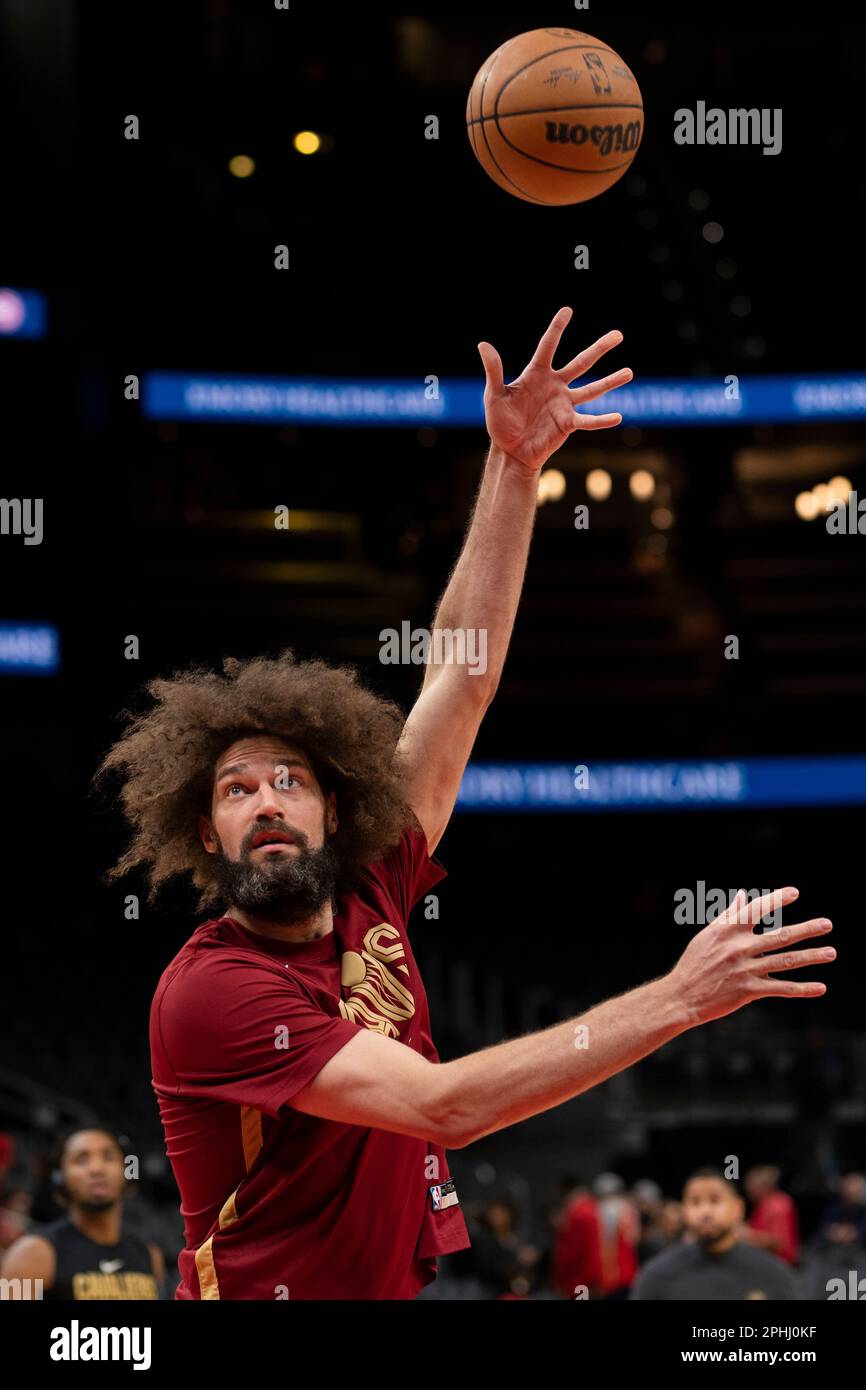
{"x":555,"y":116}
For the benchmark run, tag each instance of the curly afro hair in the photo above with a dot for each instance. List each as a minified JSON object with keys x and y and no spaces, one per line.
{"x":167,"y":756}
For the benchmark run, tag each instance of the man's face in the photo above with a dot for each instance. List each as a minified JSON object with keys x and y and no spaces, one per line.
{"x":269,"y":827}
{"x":854,"y":1189}
{"x":711,"y":1209}
{"x":92,"y":1168}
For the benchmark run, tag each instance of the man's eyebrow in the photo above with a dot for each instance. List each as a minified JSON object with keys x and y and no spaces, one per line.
{"x":232,"y":770}
{"x":237,"y":768}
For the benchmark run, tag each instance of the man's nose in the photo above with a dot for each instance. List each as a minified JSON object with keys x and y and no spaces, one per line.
{"x":268,"y":804}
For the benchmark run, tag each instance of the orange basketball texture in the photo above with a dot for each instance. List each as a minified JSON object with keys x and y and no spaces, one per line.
{"x":554,"y":116}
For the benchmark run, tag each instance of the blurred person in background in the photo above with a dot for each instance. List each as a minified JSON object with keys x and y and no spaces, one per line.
{"x":595,"y":1251}
{"x":672,"y":1224}
{"x":836,"y":1258}
{"x":619,"y":1234}
{"x":661,"y":1221}
{"x":844,"y":1220}
{"x":7,"y":1163}
{"x":576,"y":1255}
{"x":773,"y":1224}
{"x":14,"y":1202}
{"x":505,"y":1264}
{"x":86,"y":1254}
{"x":714,"y":1264}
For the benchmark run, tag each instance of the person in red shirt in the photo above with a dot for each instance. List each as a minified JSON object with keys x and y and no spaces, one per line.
{"x":306,"y":1113}
{"x":278,"y":1203}
{"x":575,"y":1263}
{"x":773,"y":1223}
{"x":595,"y":1253}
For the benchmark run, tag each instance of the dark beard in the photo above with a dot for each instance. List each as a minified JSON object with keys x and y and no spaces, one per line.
{"x":286,"y":891}
{"x":707,"y":1242}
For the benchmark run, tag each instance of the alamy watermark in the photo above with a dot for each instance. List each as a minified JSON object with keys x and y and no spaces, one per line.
{"x":22,"y":516}
{"x":698,"y":906}
{"x":77,"y":1343}
{"x":461,"y":646}
{"x":755,"y":126}
{"x":847,"y":517}
{"x":23,"y":1290}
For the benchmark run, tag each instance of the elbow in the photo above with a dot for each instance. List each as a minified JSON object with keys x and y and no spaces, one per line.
{"x":448,"y":1121}
{"x":484,"y":689}
{"x":474,"y":686}
{"x":454,"y":1136}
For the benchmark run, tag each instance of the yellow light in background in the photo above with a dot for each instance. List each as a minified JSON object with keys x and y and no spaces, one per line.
{"x":821,"y":494}
{"x":599,"y":484}
{"x":806,"y":506}
{"x":555,"y":484}
{"x":662,"y":517}
{"x":840,"y":489}
{"x":642,"y":485}
{"x":242,"y":166}
{"x":307,"y":142}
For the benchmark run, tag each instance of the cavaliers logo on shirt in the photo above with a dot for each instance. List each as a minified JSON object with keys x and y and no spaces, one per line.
{"x":88,"y":1284}
{"x":378,"y":998}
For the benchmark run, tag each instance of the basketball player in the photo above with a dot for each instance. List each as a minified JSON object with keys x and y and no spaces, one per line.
{"x":715,"y":1264}
{"x":306,"y":1115}
{"x":85,"y":1254}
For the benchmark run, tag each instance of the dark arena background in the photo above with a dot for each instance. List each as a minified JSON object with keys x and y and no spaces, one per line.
{"x":698,"y":647}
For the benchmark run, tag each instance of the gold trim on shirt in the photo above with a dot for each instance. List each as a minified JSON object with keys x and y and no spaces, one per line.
{"x":208,"y":1283}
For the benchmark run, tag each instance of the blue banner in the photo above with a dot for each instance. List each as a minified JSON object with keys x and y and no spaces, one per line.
{"x":339,"y":401}
{"x":749,"y":782}
{"x":286,"y":400}
{"x":29,"y":649}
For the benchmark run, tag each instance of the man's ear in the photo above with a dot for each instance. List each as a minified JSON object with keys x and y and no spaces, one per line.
{"x":206,"y":830}
{"x":331,"y":812}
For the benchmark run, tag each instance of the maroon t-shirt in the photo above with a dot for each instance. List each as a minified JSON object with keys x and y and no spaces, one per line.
{"x":278,"y":1204}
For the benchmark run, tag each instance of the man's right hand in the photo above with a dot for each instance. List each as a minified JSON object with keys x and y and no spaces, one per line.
{"x":727,"y":965}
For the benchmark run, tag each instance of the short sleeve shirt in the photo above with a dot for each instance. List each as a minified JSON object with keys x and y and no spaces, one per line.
{"x":278,"y":1204}
{"x":688,"y":1272}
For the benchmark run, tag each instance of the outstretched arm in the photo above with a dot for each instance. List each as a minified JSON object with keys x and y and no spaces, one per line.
{"x":527,"y":421}
{"x":378,"y":1082}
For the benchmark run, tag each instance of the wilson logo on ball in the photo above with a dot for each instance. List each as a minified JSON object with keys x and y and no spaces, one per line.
{"x":606,"y":137}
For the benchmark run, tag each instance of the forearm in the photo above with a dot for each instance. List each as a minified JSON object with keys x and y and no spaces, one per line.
{"x":484,"y":589}
{"x":381,"y":1083}
{"x":505,"y":1084}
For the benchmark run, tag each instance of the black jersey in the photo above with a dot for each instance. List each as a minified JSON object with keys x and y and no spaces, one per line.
{"x":87,"y":1269}
{"x":689,"y":1272}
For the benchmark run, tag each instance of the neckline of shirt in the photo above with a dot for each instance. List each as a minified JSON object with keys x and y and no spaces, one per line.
{"x":321,"y":948}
